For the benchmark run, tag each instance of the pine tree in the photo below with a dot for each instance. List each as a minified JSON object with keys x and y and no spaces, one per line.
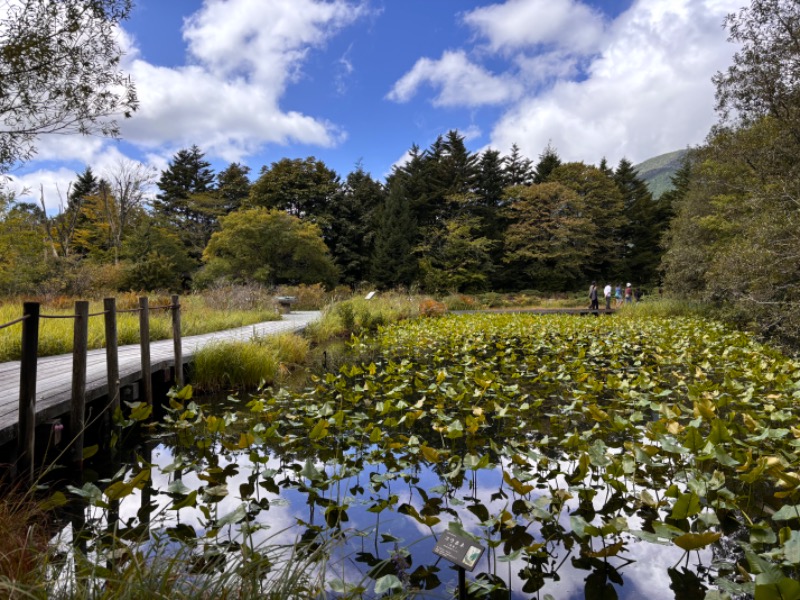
{"x":549,"y":161}
{"x":518,"y":169}
{"x":184,"y":204}
{"x":642,"y":232}
{"x":352,"y":225}
{"x":393,"y":263}
{"x":233,"y":187}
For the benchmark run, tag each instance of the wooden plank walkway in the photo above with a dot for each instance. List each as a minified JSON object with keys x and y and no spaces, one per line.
{"x":54,"y":373}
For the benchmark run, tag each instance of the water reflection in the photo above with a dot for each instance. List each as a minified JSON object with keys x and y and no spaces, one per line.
{"x":373,"y":522}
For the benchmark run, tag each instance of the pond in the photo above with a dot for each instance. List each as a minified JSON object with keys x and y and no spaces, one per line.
{"x":591,"y":458}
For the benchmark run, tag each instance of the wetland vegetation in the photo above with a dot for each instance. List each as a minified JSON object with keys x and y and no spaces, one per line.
{"x":592,"y":457}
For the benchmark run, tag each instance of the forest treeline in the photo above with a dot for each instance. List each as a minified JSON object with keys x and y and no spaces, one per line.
{"x":446,"y":220}
{"x":452,"y":220}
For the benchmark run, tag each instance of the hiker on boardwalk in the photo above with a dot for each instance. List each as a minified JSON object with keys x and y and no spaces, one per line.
{"x":593,"y":304}
{"x":607,"y":295}
{"x":628,"y":294}
{"x":618,"y":295}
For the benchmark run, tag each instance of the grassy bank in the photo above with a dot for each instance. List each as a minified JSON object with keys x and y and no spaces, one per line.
{"x":199,"y":314}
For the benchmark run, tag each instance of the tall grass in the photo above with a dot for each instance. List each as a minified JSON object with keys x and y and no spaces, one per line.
{"x":23,"y":543}
{"x":248,"y":364}
{"x":663,"y":307}
{"x":358,"y":315}
{"x":198,"y":316}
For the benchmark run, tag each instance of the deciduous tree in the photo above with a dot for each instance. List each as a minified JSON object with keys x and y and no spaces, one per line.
{"x":269,"y":247}
{"x":60,"y":72}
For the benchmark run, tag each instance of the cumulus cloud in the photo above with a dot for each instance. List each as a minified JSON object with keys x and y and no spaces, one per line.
{"x":243,"y":53}
{"x":647,"y":92}
{"x":524,"y":23}
{"x":634,"y":87}
{"x":459,"y":81}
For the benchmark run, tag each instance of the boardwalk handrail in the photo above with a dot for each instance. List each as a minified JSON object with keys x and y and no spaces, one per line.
{"x":14,"y":322}
{"x":28,"y":366}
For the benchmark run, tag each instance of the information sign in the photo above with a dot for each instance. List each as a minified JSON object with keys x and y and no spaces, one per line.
{"x":461,"y":551}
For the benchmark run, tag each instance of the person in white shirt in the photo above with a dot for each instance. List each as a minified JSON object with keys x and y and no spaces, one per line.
{"x":607,"y":295}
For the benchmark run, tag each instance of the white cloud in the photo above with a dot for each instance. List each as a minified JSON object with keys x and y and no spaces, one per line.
{"x":243,"y":53}
{"x":515,"y":24}
{"x":647,"y":92}
{"x":241,"y":56}
{"x":460,"y":82}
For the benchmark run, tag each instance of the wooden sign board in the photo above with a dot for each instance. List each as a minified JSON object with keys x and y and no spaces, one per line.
{"x":461,"y":551}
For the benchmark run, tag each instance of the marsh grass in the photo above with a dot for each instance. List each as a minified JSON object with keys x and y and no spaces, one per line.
{"x":235,"y":364}
{"x":663,"y":307}
{"x":358,"y":315}
{"x":248,"y":364}
{"x":23,"y":542}
{"x":56,"y":335}
{"x":165,"y":571}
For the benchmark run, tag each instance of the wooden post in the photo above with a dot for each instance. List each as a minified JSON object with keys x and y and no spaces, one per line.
{"x":144,"y":337}
{"x":112,"y":367}
{"x":176,"y":340}
{"x":27,"y":390}
{"x":80,"y":345}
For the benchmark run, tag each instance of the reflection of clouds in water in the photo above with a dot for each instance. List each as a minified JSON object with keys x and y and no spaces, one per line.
{"x":647,"y":577}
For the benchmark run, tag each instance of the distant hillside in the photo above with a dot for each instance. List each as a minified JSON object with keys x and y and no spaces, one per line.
{"x":657,"y":172}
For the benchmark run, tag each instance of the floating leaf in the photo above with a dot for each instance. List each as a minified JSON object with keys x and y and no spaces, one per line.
{"x":695,"y":541}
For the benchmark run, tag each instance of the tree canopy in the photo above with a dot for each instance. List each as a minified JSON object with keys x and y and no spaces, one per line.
{"x":268,"y":246}
{"x":60,"y":72}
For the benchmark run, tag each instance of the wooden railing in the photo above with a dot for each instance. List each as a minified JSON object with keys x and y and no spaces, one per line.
{"x":30,"y":320}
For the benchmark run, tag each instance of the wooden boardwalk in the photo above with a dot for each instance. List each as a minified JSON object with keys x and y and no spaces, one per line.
{"x":54,"y":373}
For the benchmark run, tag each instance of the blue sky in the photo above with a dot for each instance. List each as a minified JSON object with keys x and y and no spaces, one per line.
{"x":254,"y":81}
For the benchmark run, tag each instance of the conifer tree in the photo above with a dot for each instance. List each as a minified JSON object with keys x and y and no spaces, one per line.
{"x":352,"y":220}
{"x":549,"y":161}
{"x":518,"y":169}
{"x":642,"y":231}
{"x":184,"y":203}
{"x":393,"y":263}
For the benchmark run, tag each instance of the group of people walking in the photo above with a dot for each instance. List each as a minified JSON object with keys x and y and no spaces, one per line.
{"x":620,"y":295}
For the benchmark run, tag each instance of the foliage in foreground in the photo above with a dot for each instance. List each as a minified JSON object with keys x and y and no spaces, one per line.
{"x":547,"y":437}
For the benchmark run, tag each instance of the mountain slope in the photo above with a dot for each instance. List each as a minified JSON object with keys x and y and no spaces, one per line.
{"x":657,"y":171}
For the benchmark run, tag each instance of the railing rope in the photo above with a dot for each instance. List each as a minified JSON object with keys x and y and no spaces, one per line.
{"x":31,"y":319}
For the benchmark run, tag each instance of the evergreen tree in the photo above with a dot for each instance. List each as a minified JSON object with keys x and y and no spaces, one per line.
{"x":393,"y":263}
{"x":233,"y":187}
{"x":184,"y":203}
{"x":455,"y":257}
{"x":352,"y":226}
{"x":642,"y":231}
{"x":518,"y":169}
{"x":549,"y":161}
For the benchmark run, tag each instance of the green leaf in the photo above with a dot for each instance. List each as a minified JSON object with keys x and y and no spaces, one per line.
{"x":234,"y":517}
{"x":387,"y":583}
{"x":787,"y":512}
{"x":189,"y":502}
{"x":319,"y":431}
{"x":686,"y":506}
{"x":694,"y":541}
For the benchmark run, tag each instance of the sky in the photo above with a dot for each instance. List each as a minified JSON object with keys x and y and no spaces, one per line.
{"x":358,"y":82}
